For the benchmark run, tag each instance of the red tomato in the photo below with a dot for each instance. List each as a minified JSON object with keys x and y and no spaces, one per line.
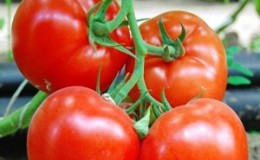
{"x":75,"y":123}
{"x":202,"y":67}
{"x":205,"y":129}
{"x":51,"y":46}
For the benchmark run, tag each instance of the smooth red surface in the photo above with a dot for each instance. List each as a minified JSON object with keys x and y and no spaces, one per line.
{"x":205,"y":129}
{"x":75,"y":123}
{"x":51,"y":45}
{"x":202,"y":67}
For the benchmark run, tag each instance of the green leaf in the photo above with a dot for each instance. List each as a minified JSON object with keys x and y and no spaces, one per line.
{"x":254,"y":132}
{"x":183,"y":33}
{"x":241,"y":68}
{"x":233,"y":50}
{"x":114,"y":83}
{"x":257,"y":6}
{"x":232,"y":64}
{"x":230,"y":51}
{"x":230,"y":60}
{"x":164,"y":35}
{"x":117,"y":86}
{"x":132,"y":108}
{"x":238,"y":80}
{"x":156,"y":111}
{"x":165,"y":102}
{"x":142,"y":126}
{"x":1,"y":23}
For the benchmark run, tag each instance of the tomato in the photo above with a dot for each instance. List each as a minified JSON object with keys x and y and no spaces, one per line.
{"x":52,"y":49}
{"x":75,"y":123}
{"x":203,"y":66}
{"x":201,"y":130}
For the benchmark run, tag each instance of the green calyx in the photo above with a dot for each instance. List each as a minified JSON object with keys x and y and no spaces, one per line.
{"x":98,"y":32}
{"x":100,"y":29}
{"x":172,"y":48}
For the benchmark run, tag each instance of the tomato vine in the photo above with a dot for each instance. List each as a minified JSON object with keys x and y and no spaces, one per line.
{"x":99,"y":34}
{"x":141,"y":48}
{"x":99,"y":27}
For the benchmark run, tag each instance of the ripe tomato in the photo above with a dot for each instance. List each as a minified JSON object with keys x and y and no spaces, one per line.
{"x":75,"y":123}
{"x":52,"y":49}
{"x":202,"y":67}
{"x":201,"y":130}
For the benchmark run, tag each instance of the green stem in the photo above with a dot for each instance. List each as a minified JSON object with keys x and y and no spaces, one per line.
{"x":14,"y":97}
{"x":116,"y":22}
{"x":103,"y":8}
{"x":127,"y":10}
{"x":123,"y":92}
{"x":139,"y":48}
{"x":154,"y":50}
{"x":143,"y":89}
{"x":232,"y":18}
{"x":21,"y":118}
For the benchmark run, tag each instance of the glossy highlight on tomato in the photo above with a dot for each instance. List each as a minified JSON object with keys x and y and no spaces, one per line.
{"x":51,"y":45}
{"x":202,"y":69}
{"x":205,"y":129}
{"x":75,"y":123}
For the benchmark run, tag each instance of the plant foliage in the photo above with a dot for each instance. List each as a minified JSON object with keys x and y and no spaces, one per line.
{"x":232,"y":64}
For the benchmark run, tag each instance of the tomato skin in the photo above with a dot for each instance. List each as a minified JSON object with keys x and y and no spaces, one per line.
{"x":51,"y":46}
{"x":202,"y":67}
{"x":77,"y":123}
{"x":201,"y":130}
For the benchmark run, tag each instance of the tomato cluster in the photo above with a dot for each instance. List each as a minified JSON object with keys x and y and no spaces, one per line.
{"x":52,"y":49}
{"x":77,"y":123}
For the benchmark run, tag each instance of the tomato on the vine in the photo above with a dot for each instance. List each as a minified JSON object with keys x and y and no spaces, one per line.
{"x":202,"y":68}
{"x":51,"y":45}
{"x":201,"y":130}
{"x":75,"y":123}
